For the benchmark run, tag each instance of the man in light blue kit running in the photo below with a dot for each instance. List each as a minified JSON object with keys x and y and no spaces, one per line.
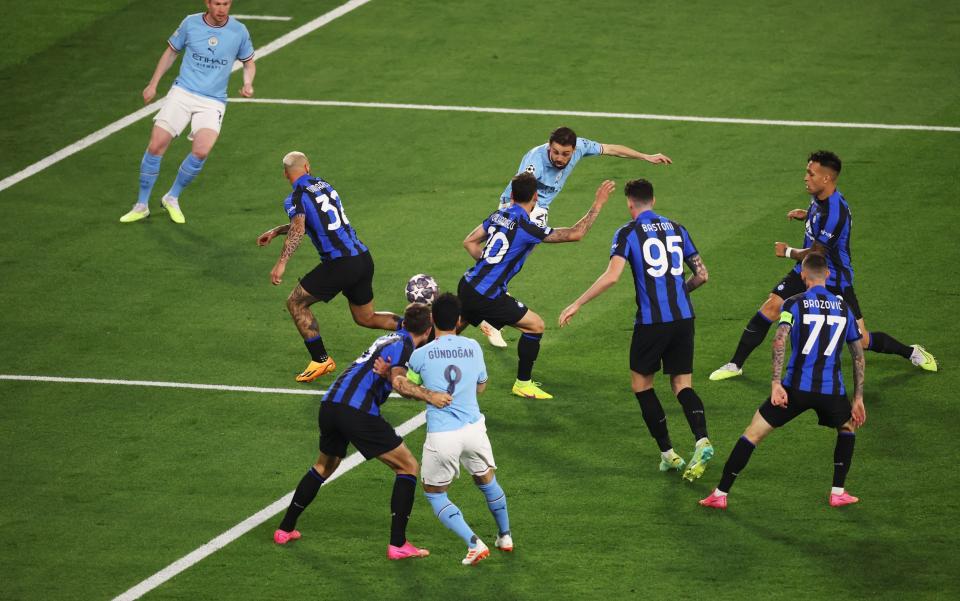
{"x":210,"y":42}
{"x":457,"y":433}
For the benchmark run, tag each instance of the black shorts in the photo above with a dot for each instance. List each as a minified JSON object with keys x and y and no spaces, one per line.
{"x":342,"y":424}
{"x":792,"y":284}
{"x":670,"y":343}
{"x":833,"y":410}
{"x":353,"y":276}
{"x":498,"y":312}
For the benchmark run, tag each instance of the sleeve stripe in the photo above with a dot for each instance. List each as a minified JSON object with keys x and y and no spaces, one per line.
{"x":248,"y":59}
{"x":173,"y":48}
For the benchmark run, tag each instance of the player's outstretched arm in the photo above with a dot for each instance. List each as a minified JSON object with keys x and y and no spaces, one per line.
{"x":857,"y":408}
{"x":781,"y":249}
{"x":265,"y":238}
{"x":580,"y":229}
{"x":166,"y":61}
{"x":778,"y":396}
{"x":294,"y":237}
{"x":607,"y":279}
{"x":700,"y":275}
{"x":475,"y":241}
{"x":408,"y":389}
{"x":249,"y":72}
{"x":625,"y":152}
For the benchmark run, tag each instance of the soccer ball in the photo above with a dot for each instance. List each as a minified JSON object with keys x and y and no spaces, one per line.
{"x":422,"y":288}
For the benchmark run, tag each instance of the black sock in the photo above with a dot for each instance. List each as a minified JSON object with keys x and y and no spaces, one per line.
{"x":401,"y":504}
{"x":527,"y":350}
{"x":693,"y":410}
{"x":738,"y":459}
{"x":881,"y":342}
{"x":317,"y":351}
{"x":751,"y":338}
{"x":655,"y":418}
{"x":306,"y":492}
{"x":842,"y":456}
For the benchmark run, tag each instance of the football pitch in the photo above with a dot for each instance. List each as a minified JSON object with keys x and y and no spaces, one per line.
{"x":105,"y":483}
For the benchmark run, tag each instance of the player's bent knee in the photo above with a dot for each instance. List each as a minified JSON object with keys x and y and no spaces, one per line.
{"x":484,"y":478}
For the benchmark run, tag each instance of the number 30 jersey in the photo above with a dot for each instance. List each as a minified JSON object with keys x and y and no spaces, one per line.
{"x":656,"y":249}
{"x":818,"y":321}
{"x":326,"y":222}
{"x":511,"y":236}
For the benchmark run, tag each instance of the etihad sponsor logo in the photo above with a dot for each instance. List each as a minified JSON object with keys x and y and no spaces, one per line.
{"x":206,"y":61}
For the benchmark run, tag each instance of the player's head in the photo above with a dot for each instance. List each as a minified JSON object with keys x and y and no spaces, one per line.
{"x":523,"y":188}
{"x":218,"y":11}
{"x":446,"y":312}
{"x":639,"y":193}
{"x":295,"y":164}
{"x":814,"y":270}
{"x":560,"y":146}
{"x":823,"y":168}
{"x":416,"y":320}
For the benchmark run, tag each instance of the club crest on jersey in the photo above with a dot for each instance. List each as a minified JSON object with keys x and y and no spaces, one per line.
{"x":213,"y":41}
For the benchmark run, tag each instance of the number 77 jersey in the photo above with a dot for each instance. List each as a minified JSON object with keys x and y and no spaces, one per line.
{"x":325,"y":220}
{"x":656,"y":249}
{"x":818,"y":321}
{"x":511,"y":237}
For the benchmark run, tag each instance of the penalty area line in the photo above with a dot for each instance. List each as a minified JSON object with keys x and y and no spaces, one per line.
{"x":249,"y":524}
{"x":595,"y":114}
{"x":260,"y":18}
{"x":151,"y":383}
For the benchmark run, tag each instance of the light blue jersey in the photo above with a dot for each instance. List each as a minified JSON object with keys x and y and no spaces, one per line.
{"x":550,"y":180}
{"x":451,"y":364}
{"x":208,"y":54}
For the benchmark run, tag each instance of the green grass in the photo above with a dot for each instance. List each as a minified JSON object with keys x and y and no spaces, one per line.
{"x":102,"y":486}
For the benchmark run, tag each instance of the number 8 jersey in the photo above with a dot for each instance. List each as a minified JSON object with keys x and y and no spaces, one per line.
{"x":511,"y":236}
{"x":326,"y":222}
{"x":818,"y":321}
{"x":656,"y":249}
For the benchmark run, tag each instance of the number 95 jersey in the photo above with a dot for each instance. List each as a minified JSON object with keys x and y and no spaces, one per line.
{"x":511,"y":236}
{"x":324,"y":217}
{"x":656,"y":249}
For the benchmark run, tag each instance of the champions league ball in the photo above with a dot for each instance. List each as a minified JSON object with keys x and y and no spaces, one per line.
{"x":422,"y":288}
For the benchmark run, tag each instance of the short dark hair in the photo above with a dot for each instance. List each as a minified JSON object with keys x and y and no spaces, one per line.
{"x":416,"y":318}
{"x":446,"y":311}
{"x":815,"y":263}
{"x":564,"y":136}
{"x":827,"y":159}
{"x":639,"y":190}
{"x":523,"y":187}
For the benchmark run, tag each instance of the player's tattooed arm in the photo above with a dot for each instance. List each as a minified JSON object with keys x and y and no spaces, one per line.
{"x":779,"y":351}
{"x":859,"y":368}
{"x":580,"y":229}
{"x":700,"y":275}
{"x":408,"y":389}
{"x":265,"y":238}
{"x":295,"y":233}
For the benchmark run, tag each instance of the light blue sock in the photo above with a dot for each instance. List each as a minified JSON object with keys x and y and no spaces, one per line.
{"x":451,"y":517}
{"x":497,"y":502}
{"x":149,"y":170}
{"x":189,"y":169}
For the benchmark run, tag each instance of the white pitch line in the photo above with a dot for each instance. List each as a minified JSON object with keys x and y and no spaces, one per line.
{"x":260,"y":18}
{"x":132,"y":118}
{"x":59,"y":379}
{"x":248,"y":524}
{"x":603,"y":115}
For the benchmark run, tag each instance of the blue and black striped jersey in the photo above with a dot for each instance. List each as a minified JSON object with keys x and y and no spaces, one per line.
{"x":511,"y":236}
{"x":326,"y":222}
{"x":818,"y":321}
{"x":359,"y":386}
{"x":829,"y":222}
{"x":656,"y":249}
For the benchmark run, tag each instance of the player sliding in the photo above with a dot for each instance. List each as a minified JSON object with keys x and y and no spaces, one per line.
{"x":457,"y":433}
{"x":656,"y":249}
{"x":346,"y":266}
{"x":198,"y":98}
{"x":815,"y":321}
{"x":552,"y":163}
{"x":827,"y":232}
{"x":500,"y":245}
{"x":350,"y":414}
